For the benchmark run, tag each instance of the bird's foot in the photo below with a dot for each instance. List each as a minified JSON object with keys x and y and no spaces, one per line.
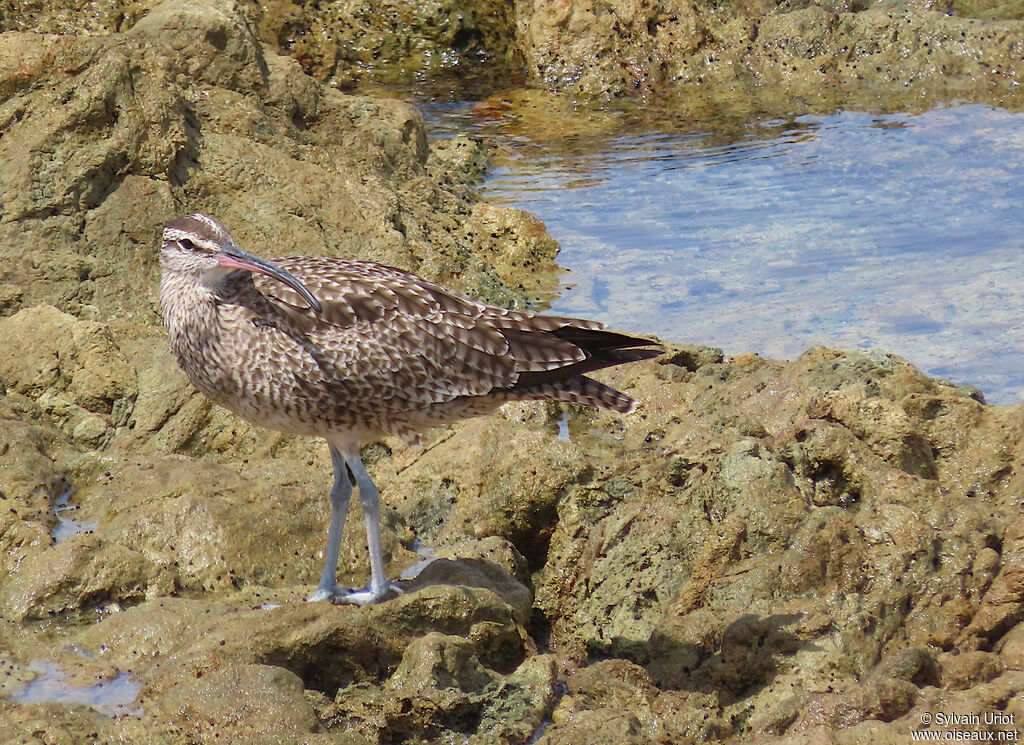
{"x":368,"y":595}
{"x":327,"y":593}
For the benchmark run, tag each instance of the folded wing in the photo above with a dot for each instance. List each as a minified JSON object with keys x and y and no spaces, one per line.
{"x":407,"y":342}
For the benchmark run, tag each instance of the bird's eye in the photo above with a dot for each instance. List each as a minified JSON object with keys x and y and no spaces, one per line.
{"x":186,"y":244}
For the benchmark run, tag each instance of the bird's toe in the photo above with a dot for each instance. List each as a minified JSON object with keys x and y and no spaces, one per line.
{"x":368,"y":595}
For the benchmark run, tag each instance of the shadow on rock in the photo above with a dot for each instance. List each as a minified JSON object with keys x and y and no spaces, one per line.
{"x":475,"y":573}
{"x":747,"y":657}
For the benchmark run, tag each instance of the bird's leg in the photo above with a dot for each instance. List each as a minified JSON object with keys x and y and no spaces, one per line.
{"x":379,"y":587}
{"x":341,"y":493}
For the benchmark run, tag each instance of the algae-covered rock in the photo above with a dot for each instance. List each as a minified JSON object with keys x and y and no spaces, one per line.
{"x":260,"y":703}
{"x":463,"y":153}
{"x":31,"y":481}
{"x":349,"y":41}
{"x":638,"y":47}
{"x":755,"y":551}
{"x":106,"y":138}
{"x":710,"y":55}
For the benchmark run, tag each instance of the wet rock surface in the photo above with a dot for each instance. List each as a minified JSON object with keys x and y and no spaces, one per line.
{"x":822,"y":550}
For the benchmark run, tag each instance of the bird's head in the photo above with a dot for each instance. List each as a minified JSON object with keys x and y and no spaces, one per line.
{"x":200,"y":247}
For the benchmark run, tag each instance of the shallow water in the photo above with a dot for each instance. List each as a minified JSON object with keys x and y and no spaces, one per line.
{"x":66,"y":525}
{"x":114,"y":697}
{"x":853,"y":230}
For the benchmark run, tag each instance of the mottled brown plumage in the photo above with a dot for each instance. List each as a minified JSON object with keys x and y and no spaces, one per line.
{"x":350,"y":350}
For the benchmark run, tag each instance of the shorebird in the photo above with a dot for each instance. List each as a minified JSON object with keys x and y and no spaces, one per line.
{"x":353,"y":350}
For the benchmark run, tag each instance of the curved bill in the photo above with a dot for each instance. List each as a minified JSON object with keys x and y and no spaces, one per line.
{"x":232,"y":257}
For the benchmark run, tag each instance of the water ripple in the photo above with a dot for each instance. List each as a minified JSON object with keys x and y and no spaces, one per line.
{"x":853,"y":230}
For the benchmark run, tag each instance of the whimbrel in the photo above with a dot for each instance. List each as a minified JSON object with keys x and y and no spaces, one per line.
{"x":353,"y":350}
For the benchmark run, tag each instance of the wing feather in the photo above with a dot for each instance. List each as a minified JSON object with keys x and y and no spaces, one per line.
{"x":392,"y":341}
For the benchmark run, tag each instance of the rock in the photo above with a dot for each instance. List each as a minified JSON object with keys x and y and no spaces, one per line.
{"x":1002,"y":606}
{"x":512,"y":241}
{"x":1011,"y":650}
{"x":31,"y":480}
{"x":493,"y":549}
{"x":73,"y":368}
{"x":824,"y":496}
{"x":496,"y":461}
{"x":48,"y":722}
{"x":426,"y":659}
{"x":917,"y":665}
{"x":614,"y":701}
{"x":347,"y":42}
{"x":476,"y":573}
{"x":462,"y":153}
{"x":76,"y":574}
{"x":89,"y":431}
{"x":186,"y":110}
{"x":195,"y":519}
{"x":163,"y":393}
{"x":263,"y":703}
{"x":695,"y":49}
{"x":705,"y":56}
{"x":793,"y":572}
{"x":10,"y":298}
{"x":967,"y":670}
{"x":60,"y":17}
{"x":584,"y":48}
{"x":878,"y":699}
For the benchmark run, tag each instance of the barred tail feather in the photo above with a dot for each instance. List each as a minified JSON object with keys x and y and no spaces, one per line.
{"x":579,"y":390}
{"x":605,"y":397}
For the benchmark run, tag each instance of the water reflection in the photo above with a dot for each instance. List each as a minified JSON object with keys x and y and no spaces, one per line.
{"x":114,"y":697}
{"x":66,"y":525}
{"x":854,"y":230}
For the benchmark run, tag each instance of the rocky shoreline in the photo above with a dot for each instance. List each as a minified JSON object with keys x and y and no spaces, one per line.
{"x":827,"y":550}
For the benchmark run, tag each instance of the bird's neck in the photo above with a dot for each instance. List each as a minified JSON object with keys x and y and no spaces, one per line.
{"x":187,"y":305}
